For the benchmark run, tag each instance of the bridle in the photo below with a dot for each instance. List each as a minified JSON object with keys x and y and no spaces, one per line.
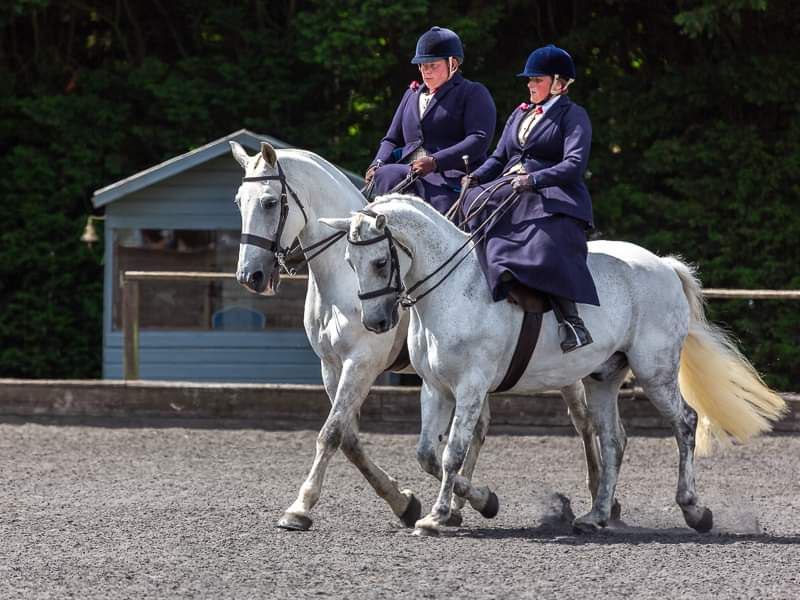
{"x":280,"y":253}
{"x":395,"y":285}
{"x":274,"y":246}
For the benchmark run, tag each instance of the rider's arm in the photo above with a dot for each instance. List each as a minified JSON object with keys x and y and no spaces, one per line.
{"x":480,"y":117}
{"x":577,"y":142}
{"x":394,"y":136}
{"x":492,"y":167}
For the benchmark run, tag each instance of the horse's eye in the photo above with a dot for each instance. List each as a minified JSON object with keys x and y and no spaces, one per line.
{"x":237,"y":202}
{"x":267,"y":202}
{"x":380,"y":263}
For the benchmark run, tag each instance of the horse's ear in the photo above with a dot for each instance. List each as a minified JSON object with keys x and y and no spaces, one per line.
{"x":239,"y":154}
{"x":268,"y":153}
{"x":380,"y":222}
{"x":340,"y":224}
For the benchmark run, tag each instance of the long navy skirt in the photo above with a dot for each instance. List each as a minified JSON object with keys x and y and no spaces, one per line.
{"x":436,"y":190}
{"x":543,"y":251}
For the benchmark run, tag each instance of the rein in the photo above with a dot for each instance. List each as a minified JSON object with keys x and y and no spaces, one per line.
{"x":368,"y":189}
{"x":404,"y":297}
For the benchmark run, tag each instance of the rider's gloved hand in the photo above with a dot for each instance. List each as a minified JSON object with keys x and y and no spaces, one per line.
{"x":523,"y":183}
{"x":467,"y":181}
{"x":423,"y":166}
{"x":370,"y":173}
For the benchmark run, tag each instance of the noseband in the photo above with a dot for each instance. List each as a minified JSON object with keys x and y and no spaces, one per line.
{"x":395,"y":285}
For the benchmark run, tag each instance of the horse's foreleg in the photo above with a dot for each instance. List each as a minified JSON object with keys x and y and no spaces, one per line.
{"x":467,"y":413}
{"x":437,"y":409}
{"x":474,"y":450}
{"x":347,"y":389}
{"x":602,"y":402}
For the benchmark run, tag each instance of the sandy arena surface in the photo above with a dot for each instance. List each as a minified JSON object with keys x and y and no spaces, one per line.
{"x":168,"y":512}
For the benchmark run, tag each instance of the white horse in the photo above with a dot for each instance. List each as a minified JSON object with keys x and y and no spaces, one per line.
{"x":651,"y":320}
{"x":283,"y":194}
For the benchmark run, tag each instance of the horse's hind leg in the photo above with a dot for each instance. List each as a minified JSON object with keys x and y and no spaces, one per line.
{"x":347,"y":389}
{"x":437,"y":410}
{"x":575,"y":398}
{"x":602,"y":401}
{"x":666,"y":396}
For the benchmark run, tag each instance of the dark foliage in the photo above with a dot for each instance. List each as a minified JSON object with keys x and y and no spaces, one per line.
{"x":696,"y":129}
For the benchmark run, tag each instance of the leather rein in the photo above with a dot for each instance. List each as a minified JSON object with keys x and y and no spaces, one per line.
{"x":395,"y":284}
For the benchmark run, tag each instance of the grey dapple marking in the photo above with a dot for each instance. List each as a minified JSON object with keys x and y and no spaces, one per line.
{"x":461,"y":342}
{"x":351,"y":356}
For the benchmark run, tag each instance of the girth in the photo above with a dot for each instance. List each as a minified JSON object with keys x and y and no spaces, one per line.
{"x":526,"y":344}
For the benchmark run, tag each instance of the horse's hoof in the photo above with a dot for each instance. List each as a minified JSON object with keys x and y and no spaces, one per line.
{"x":492,"y":507}
{"x":705,"y":523}
{"x":294,"y":522}
{"x":426,"y":532}
{"x":616,"y":510}
{"x":455,"y":519}
{"x":585,"y":525}
{"x":412,"y":513}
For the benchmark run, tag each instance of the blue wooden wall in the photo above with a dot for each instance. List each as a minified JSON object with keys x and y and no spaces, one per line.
{"x":200,"y":198}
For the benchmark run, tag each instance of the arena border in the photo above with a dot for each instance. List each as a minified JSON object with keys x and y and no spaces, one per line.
{"x":288,"y":406}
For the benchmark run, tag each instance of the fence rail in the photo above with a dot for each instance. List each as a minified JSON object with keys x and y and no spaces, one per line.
{"x":129,"y":281}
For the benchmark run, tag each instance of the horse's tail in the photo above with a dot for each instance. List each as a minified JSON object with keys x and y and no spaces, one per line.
{"x":716,"y":380}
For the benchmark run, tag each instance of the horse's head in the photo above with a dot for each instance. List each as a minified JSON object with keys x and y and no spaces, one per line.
{"x":268,"y":224}
{"x":379,"y":262}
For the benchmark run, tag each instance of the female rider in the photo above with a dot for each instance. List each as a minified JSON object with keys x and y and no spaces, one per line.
{"x":539,"y":244}
{"x":435,"y":125}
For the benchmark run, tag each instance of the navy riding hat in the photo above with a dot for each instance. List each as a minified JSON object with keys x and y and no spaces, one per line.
{"x":436,"y":44}
{"x":549,"y":60}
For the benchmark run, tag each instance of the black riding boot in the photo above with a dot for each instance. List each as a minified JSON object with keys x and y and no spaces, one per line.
{"x":571,"y":330}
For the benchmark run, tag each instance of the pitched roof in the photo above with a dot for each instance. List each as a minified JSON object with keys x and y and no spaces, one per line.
{"x":184,"y":162}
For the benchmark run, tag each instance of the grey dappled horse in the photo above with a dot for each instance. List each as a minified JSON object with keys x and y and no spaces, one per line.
{"x":651,"y":321}
{"x":351,"y":357}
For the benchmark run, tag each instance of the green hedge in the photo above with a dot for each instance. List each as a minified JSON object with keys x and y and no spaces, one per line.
{"x":694,"y":108}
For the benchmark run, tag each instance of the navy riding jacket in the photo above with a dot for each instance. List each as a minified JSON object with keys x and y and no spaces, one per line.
{"x":556,"y":153}
{"x":460,"y":119}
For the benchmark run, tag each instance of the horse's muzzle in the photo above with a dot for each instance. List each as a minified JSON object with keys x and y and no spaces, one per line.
{"x":382,"y":323}
{"x":257,"y":281}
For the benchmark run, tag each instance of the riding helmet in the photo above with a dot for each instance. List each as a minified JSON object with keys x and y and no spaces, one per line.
{"x":549,"y":60}
{"x":438,"y":43}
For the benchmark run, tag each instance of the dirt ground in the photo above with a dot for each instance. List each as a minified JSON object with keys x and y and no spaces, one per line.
{"x":167,"y":512}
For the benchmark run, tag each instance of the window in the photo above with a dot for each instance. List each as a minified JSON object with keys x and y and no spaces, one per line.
{"x":198,"y":305}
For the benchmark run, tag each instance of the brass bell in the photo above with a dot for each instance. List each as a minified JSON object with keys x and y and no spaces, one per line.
{"x":89,"y":233}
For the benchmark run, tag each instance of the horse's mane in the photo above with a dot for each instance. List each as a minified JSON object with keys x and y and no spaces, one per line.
{"x":326,"y":166}
{"x":415,"y":203}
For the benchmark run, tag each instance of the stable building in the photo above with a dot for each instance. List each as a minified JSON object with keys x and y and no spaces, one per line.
{"x":180,"y":216}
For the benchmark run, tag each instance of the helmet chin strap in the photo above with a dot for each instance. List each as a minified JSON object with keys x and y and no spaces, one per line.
{"x":562,"y":89}
{"x":452,"y":66}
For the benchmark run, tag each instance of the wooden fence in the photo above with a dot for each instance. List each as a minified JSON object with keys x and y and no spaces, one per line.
{"x":130,"y":303}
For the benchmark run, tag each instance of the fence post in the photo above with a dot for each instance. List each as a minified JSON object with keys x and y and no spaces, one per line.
{"x":130,"y":327}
